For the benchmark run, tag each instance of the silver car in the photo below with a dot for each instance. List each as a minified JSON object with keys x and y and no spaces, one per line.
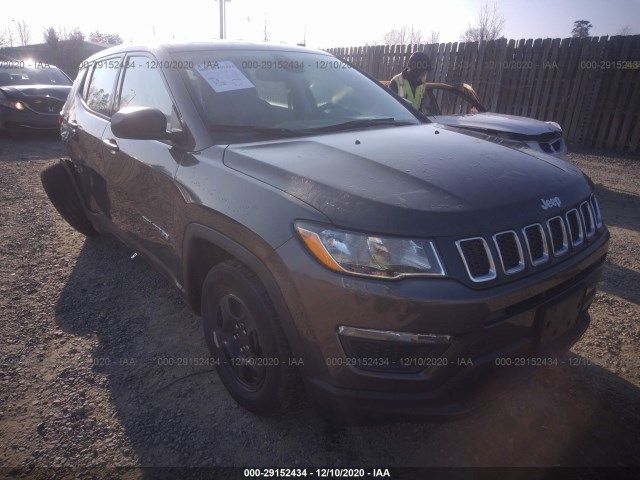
{"x":458,"y":106}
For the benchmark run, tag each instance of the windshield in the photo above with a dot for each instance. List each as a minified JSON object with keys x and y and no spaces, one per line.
{"x":285,"y":93}
{"x":40,"y":75}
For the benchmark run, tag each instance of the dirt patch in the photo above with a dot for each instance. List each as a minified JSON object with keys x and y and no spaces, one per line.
{"x":99,"y":361}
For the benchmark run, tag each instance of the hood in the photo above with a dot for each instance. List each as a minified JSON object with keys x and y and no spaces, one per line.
{"x":498,"y":122}
{"x":420,"y":180}
{"x":59,"y":92}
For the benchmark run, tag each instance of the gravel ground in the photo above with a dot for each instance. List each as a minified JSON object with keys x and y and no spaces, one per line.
{"x":87,"y":336}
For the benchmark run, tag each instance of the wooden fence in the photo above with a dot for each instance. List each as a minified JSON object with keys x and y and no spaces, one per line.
{"x":590,"y":86}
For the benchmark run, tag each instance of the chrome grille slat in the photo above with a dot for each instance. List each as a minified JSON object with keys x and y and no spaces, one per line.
{"x":534,"y":234}
{"x":555,"y":236}
{"x":588,"y":219}
{"x":575,"y":227}
{"x":596,"y":210}
{"x":558,"y":236}
{"x":508,"y":245}
{"x":475,"y":253}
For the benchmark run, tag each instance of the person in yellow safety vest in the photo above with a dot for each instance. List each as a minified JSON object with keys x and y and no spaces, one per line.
{"x":409,"y":83}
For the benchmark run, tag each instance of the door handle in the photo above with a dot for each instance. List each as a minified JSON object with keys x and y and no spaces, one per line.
{"x":111,"y":145}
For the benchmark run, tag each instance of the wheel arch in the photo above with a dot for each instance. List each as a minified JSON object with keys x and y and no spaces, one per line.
{"x":63,"y":191}
{"x":204,"y":247}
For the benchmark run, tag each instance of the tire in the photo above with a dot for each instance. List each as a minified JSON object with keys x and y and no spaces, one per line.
{"x":245,"y":338}
{"x":62,"y":194}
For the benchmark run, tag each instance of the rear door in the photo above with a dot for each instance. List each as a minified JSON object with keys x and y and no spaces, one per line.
{"x":87,"y":122}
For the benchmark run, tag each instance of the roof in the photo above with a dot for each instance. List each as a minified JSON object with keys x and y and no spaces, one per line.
{"x":211,"y":45}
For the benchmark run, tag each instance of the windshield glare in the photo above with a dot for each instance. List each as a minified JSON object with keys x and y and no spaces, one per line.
{"x":295,"y":91}
{"x":45,"y":75}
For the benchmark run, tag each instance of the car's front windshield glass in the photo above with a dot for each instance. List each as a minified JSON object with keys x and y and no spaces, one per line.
{"x":38,"y":75}
{"x":285,"y":93}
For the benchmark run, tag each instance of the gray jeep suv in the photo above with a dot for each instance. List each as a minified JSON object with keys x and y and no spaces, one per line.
{"x":332,"y":239}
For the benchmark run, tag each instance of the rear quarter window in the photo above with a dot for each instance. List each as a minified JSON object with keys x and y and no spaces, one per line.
{"x":77,"y":86}
{"x":100,"y":89}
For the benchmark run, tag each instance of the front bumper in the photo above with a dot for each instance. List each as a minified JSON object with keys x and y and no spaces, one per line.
{"x":467,"y":390}
{"x":484,"y":325}
{"x":27,"y":121}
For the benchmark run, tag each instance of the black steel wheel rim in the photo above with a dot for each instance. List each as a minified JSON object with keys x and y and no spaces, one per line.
{"x":236,"y":337}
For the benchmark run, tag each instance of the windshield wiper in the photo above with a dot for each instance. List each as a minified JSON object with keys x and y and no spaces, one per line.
{"x":361,"y":123}
{"x":254,"y":129}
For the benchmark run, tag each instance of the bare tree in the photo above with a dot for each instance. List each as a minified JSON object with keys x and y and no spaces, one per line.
{"x":404,"y":36}
{"x":266,"y":31}
{"x":625,"y":30}
{"x":7,"y":34}
{"x":581,"y":28}
{"x":434,"y":37}
{"x":3,"y":39}
{"x":24,"y":32}
{"x":489,"y":25}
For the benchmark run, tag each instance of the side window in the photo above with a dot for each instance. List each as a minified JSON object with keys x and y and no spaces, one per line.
{"x":99,"y":95}
{"x":143,"y":87}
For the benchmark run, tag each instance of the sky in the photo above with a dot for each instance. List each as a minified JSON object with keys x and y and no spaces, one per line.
{"x":322,"y":24}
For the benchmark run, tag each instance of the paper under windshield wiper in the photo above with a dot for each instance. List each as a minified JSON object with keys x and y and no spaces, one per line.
{"x":360,"y":123}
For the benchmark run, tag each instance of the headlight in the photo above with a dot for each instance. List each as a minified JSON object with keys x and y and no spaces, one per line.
{"x":15,"y":104}
{"x":370,"y":255}
{"x":554,"y":124}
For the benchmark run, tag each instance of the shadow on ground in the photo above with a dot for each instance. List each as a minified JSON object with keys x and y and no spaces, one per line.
{"x":175,"y":412}
{"x":619,"y":207}
{"x":617,"y":281}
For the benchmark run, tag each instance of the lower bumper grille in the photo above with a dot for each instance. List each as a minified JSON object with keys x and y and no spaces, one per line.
{"x":376,"y":355}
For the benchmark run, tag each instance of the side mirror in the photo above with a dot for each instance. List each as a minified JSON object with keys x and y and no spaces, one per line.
{"x":142,"y":123}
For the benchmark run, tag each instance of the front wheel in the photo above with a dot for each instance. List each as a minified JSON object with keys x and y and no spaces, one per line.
{"x":243,"y":333}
